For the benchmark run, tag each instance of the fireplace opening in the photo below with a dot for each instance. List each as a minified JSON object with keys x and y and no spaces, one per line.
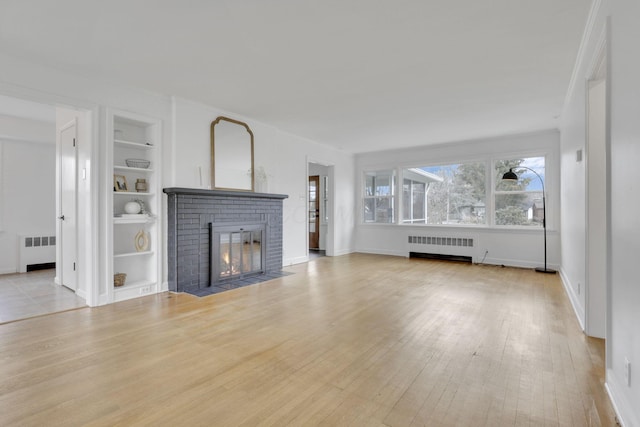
{"x":236,"y":251}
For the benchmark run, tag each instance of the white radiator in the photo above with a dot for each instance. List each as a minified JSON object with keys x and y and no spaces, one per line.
{"x":456,"y":245}
{"x":34,"y":250}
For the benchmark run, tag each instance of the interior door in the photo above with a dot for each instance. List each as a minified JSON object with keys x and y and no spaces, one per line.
{"x":68,"y":238}
{"x":314,"y":212}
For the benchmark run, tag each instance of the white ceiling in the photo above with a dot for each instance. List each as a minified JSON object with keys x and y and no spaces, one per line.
{"x":360,"y":75}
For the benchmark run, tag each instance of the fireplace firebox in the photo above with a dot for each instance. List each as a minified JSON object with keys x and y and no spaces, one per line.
{"x":236,"y":251}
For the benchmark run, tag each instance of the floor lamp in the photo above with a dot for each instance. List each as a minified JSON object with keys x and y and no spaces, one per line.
{"x":512,"y":176}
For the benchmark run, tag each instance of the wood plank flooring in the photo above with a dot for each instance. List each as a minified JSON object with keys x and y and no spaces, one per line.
{"x":353,"y":340}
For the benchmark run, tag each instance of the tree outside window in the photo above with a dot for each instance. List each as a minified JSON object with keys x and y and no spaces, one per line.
{"x":519,"y":203}
{"x":453,"y":194}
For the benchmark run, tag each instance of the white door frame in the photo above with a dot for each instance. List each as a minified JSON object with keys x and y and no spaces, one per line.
{"x":597,"y":195}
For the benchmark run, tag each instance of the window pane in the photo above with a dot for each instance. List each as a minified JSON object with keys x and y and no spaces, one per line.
{"x":368,"y":185}
{"x":369,"y":210}
{"x":384,"y":209}
{"x":378,"y":196}
{"x":383,"y":185}
{"x":417,"y":198}
{"x":454,"y":194}
{"x":519,"y":202}
{"x":406,"y":201}
{"x":527,"y":180}
{"x":519,"y":209}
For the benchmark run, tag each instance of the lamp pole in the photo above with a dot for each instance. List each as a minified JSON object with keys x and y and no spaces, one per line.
{"x":512,"y":176}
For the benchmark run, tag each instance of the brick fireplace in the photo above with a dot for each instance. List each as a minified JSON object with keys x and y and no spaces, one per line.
{"x":217,"y":236}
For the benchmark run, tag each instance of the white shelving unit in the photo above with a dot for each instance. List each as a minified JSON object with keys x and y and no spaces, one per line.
{"x":130,"y":136}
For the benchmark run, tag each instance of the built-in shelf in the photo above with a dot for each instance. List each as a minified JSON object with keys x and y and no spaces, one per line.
{"x":130,"y":254}
{"x":131,"y":144}
{"x":137,"y":284}
{"x":131,"y":193}
{"x":141,"y":220}
{"x":130,"y":169}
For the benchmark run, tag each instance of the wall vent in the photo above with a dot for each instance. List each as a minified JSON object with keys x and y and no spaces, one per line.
{"x":465,"y":242}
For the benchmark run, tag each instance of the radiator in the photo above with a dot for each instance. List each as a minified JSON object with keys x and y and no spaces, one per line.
{"x":448,"y":245}
{"x":466,"y":242}
{"x":35,"y":252}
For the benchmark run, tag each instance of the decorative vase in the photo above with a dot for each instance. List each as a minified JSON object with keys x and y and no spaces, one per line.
{"x":132,"y":207}
{"x":141,"y":185}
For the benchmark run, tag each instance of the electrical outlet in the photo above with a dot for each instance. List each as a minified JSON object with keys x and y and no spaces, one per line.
{"x":627,"y":371}
{"x":145,"y":290}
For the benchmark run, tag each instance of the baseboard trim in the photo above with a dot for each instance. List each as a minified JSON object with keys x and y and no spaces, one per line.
{"x":341,"y":252}
{"x":511,"y":262}
{"x":623,"y":409}
{"x":296,"y":260}
{"x":578,"y":309}
{"x":383,"y":252}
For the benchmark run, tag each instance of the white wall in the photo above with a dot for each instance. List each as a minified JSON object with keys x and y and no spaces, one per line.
{"x":624,"y":310}
{"x":623,"y":292}
{"x":284,"y":158}
{"x":506,"y":247}
{"x":27,"y":195}
{"x":27,"y":170}
{"x":573,"y":138}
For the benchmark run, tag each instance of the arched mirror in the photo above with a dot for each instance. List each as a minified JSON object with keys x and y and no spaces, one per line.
{"x":231,"y":155}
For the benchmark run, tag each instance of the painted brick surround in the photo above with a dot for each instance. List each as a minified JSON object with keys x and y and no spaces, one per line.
{"x":190,"y":211}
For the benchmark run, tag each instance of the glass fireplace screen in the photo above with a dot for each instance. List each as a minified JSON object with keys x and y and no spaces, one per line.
{"x":237,"y":252}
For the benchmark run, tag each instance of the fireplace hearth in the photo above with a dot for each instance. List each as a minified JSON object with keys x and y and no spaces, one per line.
{"x":220,"y":240}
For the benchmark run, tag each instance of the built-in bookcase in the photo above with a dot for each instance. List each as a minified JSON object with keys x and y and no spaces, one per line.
{"x":134,"y":152}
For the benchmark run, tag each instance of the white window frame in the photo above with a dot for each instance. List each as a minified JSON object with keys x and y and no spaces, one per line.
{"x":509,"y":156}
{"x":393,"y":173}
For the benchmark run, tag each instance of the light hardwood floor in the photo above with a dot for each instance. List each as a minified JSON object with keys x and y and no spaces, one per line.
{"x":352,"y":340}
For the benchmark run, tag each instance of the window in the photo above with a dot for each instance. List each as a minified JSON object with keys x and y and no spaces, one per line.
{"x":378,"y":196}
{"x":446,"y":194}
{"x":520,"y":203}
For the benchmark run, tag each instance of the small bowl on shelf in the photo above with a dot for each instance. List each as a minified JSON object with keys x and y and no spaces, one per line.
{"x":138,"y":163}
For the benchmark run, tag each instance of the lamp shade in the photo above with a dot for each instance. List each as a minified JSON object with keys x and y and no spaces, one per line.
{"x":510,"y":176}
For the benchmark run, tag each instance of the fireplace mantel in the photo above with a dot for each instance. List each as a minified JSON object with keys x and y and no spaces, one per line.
{"x":222,"y":193}
{"x":190,"y":213}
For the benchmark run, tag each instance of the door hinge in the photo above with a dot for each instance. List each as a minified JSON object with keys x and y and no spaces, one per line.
{"x":74,"y":142}
{"x":74,"y":266}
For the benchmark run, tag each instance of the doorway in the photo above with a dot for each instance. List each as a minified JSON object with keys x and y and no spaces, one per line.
{"x":29,"y":163}
{"x":314,"y":213}
{"x":318,"y":209}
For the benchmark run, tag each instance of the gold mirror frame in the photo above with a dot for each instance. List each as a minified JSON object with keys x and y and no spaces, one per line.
{"x":221,"y":160}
